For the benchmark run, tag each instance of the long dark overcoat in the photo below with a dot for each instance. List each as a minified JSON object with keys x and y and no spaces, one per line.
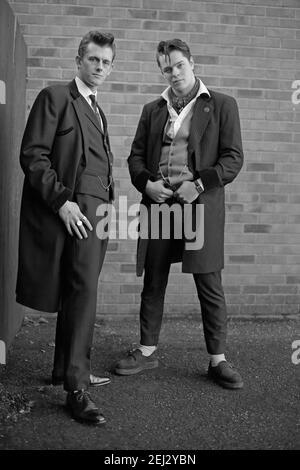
{"x":53,"y":155}
{"x":214,"y":152}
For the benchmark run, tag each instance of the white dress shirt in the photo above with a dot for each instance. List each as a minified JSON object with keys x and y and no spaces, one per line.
{"x":85,"y":91}
{"x":176,"y":119}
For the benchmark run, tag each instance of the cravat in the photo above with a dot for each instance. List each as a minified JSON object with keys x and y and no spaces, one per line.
{"x":179,"y":103}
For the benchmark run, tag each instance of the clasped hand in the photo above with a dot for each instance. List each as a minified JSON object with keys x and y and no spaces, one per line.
{"x":157,"y":191}
{"x":74,"y":220}
{"x":185,"y":194}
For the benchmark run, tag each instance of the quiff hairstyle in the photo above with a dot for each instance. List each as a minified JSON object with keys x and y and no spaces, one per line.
{"x":166,"y":47}
{"x":101,"y":39}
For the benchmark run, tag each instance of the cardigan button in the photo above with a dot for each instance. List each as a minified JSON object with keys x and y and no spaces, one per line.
{"x":206,"y":109}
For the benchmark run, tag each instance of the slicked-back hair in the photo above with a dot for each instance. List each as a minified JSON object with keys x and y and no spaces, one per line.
{"x":166,"y":47}
{"x":101,"y":39}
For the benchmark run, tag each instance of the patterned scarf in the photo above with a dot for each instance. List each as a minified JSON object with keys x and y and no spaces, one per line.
{"x":179,"y":102}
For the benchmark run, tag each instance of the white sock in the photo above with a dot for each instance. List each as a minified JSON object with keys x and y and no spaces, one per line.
{"x":147,"y":350}
{"x":215,"y":359}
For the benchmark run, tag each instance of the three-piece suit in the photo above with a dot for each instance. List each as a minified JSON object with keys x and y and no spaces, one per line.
{"x":65,"y":155}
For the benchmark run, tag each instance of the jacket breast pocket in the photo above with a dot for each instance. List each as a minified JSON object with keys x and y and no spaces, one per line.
{"x":64,"y":131}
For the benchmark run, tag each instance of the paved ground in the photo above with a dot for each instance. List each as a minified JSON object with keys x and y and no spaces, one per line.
{"x":172,"y":407}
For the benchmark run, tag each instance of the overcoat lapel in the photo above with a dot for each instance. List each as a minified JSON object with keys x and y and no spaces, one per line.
{"x":80,"y":116}
{"x":159,"y":118}
{"x":202,"y":113}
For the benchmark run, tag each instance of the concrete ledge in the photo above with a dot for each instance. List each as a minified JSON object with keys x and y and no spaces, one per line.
{"x":117,"y":316}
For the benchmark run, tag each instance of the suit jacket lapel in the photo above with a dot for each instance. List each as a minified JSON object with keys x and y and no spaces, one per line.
{"x":201,"y":116}
{"x":91,"y":115}
{"x":159,"y":116}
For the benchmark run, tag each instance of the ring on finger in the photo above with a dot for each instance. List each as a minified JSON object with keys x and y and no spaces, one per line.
{"x":79,"y":223}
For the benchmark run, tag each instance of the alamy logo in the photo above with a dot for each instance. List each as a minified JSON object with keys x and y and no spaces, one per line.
{"x":296,"y":354}
{"x":296,"y":93}
{"x":179,"y":221}
{"x":2,"y":92}
{"x":2,"y":352}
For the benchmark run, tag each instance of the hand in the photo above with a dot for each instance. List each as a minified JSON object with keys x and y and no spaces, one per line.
{"x":157,"y":191}
{"x":71,"y":214}
{"x":186,"y":193}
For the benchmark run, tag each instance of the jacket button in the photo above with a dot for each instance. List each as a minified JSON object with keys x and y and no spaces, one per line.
{"x":206,"y":109}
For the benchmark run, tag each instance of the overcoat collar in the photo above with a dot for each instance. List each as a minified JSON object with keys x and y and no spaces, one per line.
{"x":80,"y":113}
{"x":80,"y":116}
{"x":202,"y":113}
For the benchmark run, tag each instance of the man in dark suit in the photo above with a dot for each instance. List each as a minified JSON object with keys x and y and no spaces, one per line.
{"x":66,"y":158}
{"x":187,"y":147}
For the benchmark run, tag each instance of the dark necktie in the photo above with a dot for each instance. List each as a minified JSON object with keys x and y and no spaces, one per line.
{"x":95,"y":108}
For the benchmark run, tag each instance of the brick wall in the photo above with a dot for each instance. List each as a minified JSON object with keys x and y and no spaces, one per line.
{"x":246,"y":48}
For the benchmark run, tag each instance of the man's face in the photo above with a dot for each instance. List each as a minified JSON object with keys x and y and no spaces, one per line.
{"x":178,"y":71}
{"x":95,"y":66}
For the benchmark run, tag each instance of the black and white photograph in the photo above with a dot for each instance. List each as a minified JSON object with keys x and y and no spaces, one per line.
{"x":150,"y":228}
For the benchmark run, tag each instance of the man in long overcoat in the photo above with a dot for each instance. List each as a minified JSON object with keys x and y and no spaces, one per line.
{"x":66,"y":158}
{"x":187,"y":147}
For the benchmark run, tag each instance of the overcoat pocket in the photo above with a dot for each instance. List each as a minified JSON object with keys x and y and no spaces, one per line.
{"x":64,"y":131}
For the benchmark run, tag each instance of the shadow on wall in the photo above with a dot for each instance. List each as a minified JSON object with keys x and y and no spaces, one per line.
{"x":12,"y":121}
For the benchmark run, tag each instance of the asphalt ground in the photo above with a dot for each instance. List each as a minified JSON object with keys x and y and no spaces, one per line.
{"x":173,"y":407}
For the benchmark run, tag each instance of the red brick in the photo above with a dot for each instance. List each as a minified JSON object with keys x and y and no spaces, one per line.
{"x":235,"y":19}
{"x":67,"y":2}
{"x":249,"y":10}
{"x":33,"y":62}
{"x":40,"y":30}
{"x":95,"y":22}
{"x":61,"y":42}
{"x":44,"y":52}
{"x":31,"y":19}
{"x":220,"y":8}
{"x":126,"y":23}
{"x":250,"y":51}
{"x":284,"y":23}
{"x":281,"y":12}
{"x":157,"y":25}
{"x":125,"y":3}
{"x":249,"y":93}
{"x":45,"y":73}
{"x":77,"y":10}
{"x":145,"y":14}
{"x":258,"y":228}
{"x":290,"y":44}
{"x":21,"y":8}
{"x":61,"y":20}
{"x":202,"y":18}
{"x":45,"y":9}
{"x":158,"y":4}
{"x":147,"y":35}
{"x":173,"y":15}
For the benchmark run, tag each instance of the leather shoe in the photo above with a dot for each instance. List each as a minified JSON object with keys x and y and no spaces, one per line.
{"x":83,"y":408}
{"x":225,"y":375}
{"x":135,"y":362}
{"x":94,"y":380}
